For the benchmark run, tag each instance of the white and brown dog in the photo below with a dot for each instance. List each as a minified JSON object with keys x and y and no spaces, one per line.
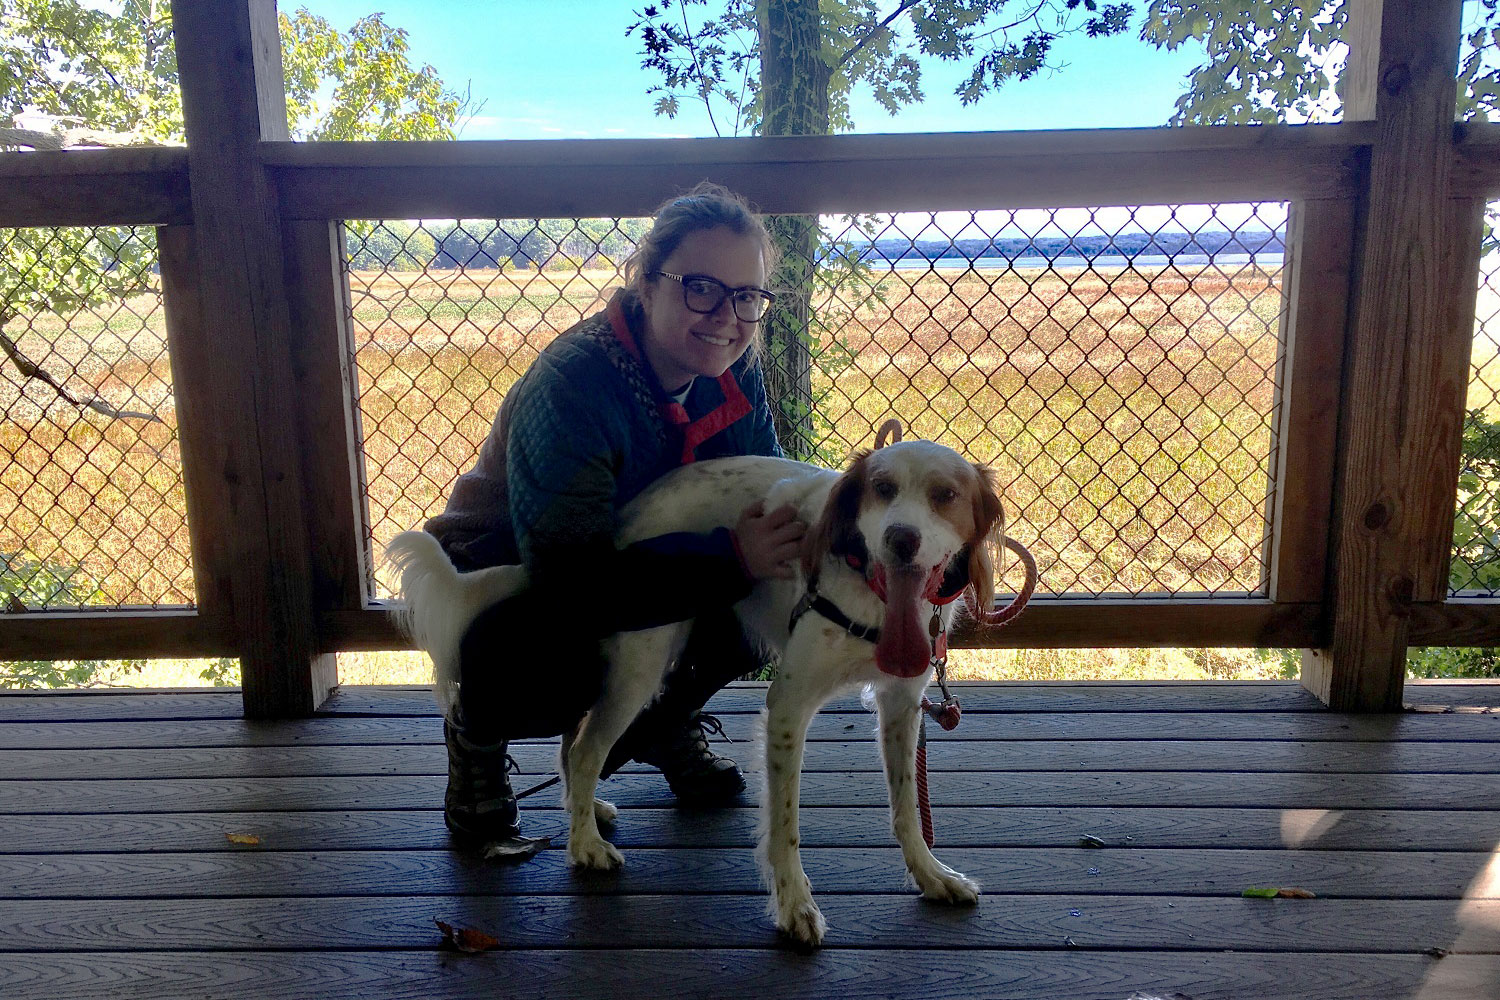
{"x":894,"y":538}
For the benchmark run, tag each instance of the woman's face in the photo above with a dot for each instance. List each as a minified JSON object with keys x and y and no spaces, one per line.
{"x":679,"y":343}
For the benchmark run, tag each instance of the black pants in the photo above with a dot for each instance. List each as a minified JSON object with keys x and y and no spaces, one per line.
{"x":526,"y":672}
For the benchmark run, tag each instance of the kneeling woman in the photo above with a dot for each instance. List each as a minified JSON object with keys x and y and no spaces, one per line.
{"x":666,"y":374}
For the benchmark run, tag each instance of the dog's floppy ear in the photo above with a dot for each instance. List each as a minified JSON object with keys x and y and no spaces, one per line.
{"x":989,"y":540}
{"x":836,"y":531}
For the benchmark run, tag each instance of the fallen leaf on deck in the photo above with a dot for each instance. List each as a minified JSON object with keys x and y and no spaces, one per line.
{"x":465,"y":939}
{"x":242,"y":838}
{"x":1088,"y":840}
{"x":1273,"y":892}
{"x":516,"y":848}
{"x":1436,"y":952}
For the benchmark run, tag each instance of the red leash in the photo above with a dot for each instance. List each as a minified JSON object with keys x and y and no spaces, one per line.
{"x":948,"y":713}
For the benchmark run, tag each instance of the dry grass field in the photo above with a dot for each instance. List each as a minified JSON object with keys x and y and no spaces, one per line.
{"x":1128,"y":412}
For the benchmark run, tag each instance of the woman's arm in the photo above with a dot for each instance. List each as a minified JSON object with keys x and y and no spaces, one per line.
{"x":563,"y":480}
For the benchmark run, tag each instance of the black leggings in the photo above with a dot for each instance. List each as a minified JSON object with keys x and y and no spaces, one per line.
{"x":525,"y":671}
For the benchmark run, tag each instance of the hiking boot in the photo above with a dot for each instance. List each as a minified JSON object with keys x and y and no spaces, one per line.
{"x":697,"y":775}
{"x":479,"y":806}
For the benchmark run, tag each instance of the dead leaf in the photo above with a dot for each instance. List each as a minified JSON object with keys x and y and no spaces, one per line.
{"x":1436,"y":952}
{"x":516,"y":849}
{"x":1295,"y":893}
{"x":248,"y":839}
{"x":465,"y":939}
{"x":1273,"y":892}
{"x":1088,"y":840}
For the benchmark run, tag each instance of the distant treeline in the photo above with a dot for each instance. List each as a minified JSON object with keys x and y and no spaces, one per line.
{"x":1049,"y":247}
{"x":510,"y":243}
{"x":530,"y":243}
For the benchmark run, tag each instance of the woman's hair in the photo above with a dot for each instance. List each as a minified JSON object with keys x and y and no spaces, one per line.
{"x":706,"y":206}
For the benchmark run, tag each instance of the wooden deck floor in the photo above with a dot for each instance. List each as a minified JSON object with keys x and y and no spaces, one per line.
{"x":118,"y":878}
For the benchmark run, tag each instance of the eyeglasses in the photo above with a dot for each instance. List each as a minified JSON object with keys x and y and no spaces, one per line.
{"x":703,"y":294}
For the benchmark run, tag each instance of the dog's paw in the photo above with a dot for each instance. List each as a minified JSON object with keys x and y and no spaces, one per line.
{"x":944,"y":885}
{"x":605,"y":813}
{"x":596,"y":854}
{"x":802,"y":922}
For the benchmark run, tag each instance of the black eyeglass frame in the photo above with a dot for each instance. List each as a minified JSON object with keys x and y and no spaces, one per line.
{"x":725,"y":292}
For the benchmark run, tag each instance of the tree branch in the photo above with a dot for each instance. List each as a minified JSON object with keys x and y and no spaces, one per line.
{"x":30,"y":369}
{"x":64,"y":138}
{"x":875,"y":29}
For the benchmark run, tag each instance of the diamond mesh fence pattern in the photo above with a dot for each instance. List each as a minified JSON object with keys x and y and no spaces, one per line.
{"x":1116,"y":366}
{"x":1475,"y":570}
{"x":90,"y":472}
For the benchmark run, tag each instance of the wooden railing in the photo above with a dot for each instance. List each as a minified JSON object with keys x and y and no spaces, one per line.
{"x":1380,"y":281}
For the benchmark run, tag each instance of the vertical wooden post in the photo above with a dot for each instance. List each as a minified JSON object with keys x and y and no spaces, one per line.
{"x":1319,"y":241}
{"x":1402,"y":409}
{"x":326,"y":389}
{"x":229,"y":63}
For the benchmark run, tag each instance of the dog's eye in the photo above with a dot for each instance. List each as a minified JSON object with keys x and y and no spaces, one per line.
{"x":944,"y":495}
{"x":885,"y":489}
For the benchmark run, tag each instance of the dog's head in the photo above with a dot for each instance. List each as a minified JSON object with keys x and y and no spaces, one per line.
{"x":924,"y":523}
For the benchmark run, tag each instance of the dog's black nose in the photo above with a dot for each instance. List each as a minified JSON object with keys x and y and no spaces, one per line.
{"x":901,"y":541}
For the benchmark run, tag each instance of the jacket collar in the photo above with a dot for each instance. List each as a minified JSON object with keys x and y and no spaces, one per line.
{"x":694,"y":432}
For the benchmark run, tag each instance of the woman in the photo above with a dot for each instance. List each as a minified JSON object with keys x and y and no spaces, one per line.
{"x":665,"y":375}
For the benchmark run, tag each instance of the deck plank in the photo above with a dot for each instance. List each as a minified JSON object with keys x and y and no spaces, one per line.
{"x":1137,"y":696}
{"x":739,"y":921}
{"x":827,"y":826}
{"x":1132,"y":726}
{"x":1111,"y":788}
{"x":953,"y":755}
{"x":587,"y":974}
{"x":1194,"y":872}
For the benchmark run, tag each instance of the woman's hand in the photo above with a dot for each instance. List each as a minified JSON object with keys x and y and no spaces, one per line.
{"x":769,"y":543}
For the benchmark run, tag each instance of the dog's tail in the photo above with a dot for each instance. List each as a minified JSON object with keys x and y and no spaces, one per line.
{"x":441,"y":602}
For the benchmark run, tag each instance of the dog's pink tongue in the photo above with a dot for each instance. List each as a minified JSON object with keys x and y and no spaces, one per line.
{"x":904,"y":647}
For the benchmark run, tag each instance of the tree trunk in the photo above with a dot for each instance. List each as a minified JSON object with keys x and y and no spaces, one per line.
{"x":794,"y":81}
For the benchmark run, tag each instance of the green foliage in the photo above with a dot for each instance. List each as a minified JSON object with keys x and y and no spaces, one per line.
{"x":376,"y":92}
{"x":113,"y":71}
{"x":711,"y":53}
{"x":1452,"y":661}
{"x":1476,"y":525}
{"x":32,"y":583}
{"x":116,"y":70}
{"x":1281,"y":62}
{"x":223,"y":672}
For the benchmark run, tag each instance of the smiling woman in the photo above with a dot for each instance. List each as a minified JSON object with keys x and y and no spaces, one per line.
{"x":665,"y":375}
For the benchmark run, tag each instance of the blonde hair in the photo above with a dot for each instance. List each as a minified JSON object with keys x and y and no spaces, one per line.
{"x":706,"y":206}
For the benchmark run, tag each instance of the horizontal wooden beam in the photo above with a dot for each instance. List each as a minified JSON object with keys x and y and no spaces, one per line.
{"x":148,"y":185}
{"x":139,"y":185}
{"x":80,"y":635}
{"x":1476,"y":167}
{"x":1047,"y":623}
{"x":933,"y":171}
{"x":1456,"y":622}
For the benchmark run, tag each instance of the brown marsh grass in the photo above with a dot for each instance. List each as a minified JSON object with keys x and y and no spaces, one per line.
{"x":1128,"y":413}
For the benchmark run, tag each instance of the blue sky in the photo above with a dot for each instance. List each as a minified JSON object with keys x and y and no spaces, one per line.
{"x":555,"y":69}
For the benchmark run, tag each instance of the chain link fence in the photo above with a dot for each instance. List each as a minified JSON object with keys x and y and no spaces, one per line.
{"x":1475,"y":571}
{"x":90,"y":472}
{"x":1117,"y":366}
